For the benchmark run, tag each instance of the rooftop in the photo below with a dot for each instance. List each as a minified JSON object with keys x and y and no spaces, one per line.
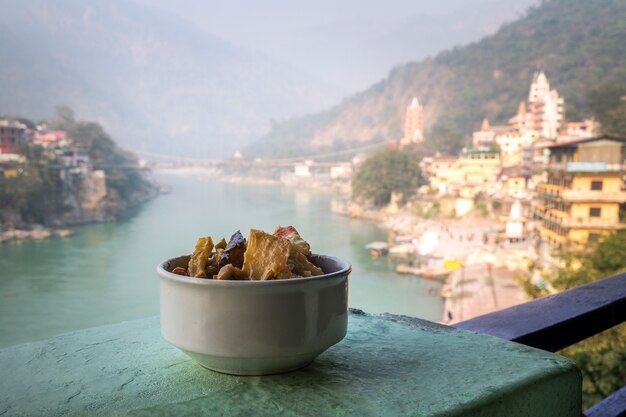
{"x":576,"y":142}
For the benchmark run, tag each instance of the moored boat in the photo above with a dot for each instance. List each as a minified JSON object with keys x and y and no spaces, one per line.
{"x":377,"y":248}
{"x":435,"y":274}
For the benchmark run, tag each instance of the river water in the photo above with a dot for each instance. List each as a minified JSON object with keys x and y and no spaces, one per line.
{"x":105,"y":273}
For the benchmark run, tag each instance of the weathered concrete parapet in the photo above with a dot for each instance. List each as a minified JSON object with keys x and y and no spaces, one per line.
{"x":385,"y":366}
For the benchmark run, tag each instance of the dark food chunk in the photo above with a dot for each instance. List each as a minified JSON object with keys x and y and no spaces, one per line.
{"x":233,"y":254}
{"x":180,"y":271}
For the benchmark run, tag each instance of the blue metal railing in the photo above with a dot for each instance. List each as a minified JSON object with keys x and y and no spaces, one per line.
{"x":557,"y":321}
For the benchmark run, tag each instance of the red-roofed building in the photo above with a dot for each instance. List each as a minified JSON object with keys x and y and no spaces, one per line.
{"x":12,"y":134}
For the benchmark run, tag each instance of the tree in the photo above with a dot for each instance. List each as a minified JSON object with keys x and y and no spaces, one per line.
{"x":104,"y":153}
{"x":64,"y":118}
{"x":608,"y":105}
{"x":386,"y":172}
{"x":32,"y":193}
{"x":447,"y":141}
{"x":602,"y":358}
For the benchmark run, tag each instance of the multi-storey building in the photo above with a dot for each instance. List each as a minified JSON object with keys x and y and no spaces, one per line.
{"x":485,"y":138}
{"x":542,"y":117}
{"x":546,"y":107}
{"x":512,"y":144}
{"x":413,"y":124}
{"x":584,"y":194}
{"x":578,"y":130}
{"x":476,"y":170}
{"x":12,"y":134}
{"x":523,"y":120}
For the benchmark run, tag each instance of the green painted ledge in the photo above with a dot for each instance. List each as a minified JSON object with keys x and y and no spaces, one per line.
{"x":384,"y":367}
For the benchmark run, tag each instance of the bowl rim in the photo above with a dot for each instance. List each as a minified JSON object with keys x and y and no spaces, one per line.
{"x":163,"y":273}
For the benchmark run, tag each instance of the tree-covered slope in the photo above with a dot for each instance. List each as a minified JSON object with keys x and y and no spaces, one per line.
{"x":579,"y":44}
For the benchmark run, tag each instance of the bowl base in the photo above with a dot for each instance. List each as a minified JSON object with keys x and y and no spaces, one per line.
{"x":253,"y":366}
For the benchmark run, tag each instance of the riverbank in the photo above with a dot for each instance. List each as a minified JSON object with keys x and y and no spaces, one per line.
{"x":106,"y":212}
{"x":486,"y":282}
{"x":38,"y":233}
{"x":481,"y":278}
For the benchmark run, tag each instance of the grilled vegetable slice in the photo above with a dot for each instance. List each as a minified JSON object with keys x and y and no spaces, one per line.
{"x":266,"y":256}
{"x":200,"y":257}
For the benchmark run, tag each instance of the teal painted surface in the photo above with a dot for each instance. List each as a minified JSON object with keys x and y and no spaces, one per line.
{"x":384,"y":367}
{"x":105,"y":274}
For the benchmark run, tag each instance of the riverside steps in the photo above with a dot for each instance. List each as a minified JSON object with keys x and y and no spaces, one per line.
{"x":386,"y":366}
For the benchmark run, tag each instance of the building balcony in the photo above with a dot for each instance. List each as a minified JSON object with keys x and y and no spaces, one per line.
{"x":593,"y":223}
{"x":581,"y":223}
{"x":550,"y":235}
{"x":551,"y":189}
{"x":594,"y":196}
{"x":551,"y":215}
{"x":585,"y":167}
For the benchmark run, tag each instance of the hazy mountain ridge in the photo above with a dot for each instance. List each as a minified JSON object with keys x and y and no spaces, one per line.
{"x":351,"y":43}
{"x":579,"y":44}
{"x":157,"y":82}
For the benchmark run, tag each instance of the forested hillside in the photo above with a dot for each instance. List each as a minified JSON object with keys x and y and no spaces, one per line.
{"x":578,"y":43}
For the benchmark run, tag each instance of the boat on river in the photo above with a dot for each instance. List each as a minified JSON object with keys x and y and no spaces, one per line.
{"x":377,"y":248}
{"x":434,"y":274}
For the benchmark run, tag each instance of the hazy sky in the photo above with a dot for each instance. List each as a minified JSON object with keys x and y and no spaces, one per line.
{"x":349,"y":43}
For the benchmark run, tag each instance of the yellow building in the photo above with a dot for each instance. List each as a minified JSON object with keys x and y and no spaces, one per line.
{"x":584,"y":196}
{"x":511,"y":145}
{"x":514,"y":185}
{"x":476,"y":170}
{"x":485,"y":138}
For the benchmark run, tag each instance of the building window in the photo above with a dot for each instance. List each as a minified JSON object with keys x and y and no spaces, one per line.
{"x":596,"y":185}
{"x":593,"y":237}
{"x":595,"y":211}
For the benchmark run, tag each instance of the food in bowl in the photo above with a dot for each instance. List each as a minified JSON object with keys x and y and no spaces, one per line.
{"x":281,"y":255}
{"x":270,"y":319}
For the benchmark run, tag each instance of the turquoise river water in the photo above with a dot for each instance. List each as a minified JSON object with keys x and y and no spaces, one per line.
{"x":105,"y":273}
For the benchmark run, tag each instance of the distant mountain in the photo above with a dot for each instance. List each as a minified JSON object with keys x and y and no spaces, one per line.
{"x":350,"y":43}
{"x":579,"y":44}
{"x":155,"y":81}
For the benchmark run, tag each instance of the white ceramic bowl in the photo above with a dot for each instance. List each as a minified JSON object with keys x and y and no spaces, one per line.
{"x":255,"y":327}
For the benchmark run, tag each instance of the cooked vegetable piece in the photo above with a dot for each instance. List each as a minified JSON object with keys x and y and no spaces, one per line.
{"x":299,"y":252}
{"x":212,"y":267}
{"x":233,"y":254}
{"x":300,"y":265}
{"x":266,"y":256}
{"x":200,"y":257}
{"x":291,"y":234}
{"x":221,"y":244}
{"x":180,"y":271}
{"x":231,"y":272}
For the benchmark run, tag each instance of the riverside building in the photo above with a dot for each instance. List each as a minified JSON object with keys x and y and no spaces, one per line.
{"x":584,"y":195}
{"x":12,"y":134}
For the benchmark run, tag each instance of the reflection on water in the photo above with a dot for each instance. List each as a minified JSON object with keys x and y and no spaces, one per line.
{"x":105,"y":273}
